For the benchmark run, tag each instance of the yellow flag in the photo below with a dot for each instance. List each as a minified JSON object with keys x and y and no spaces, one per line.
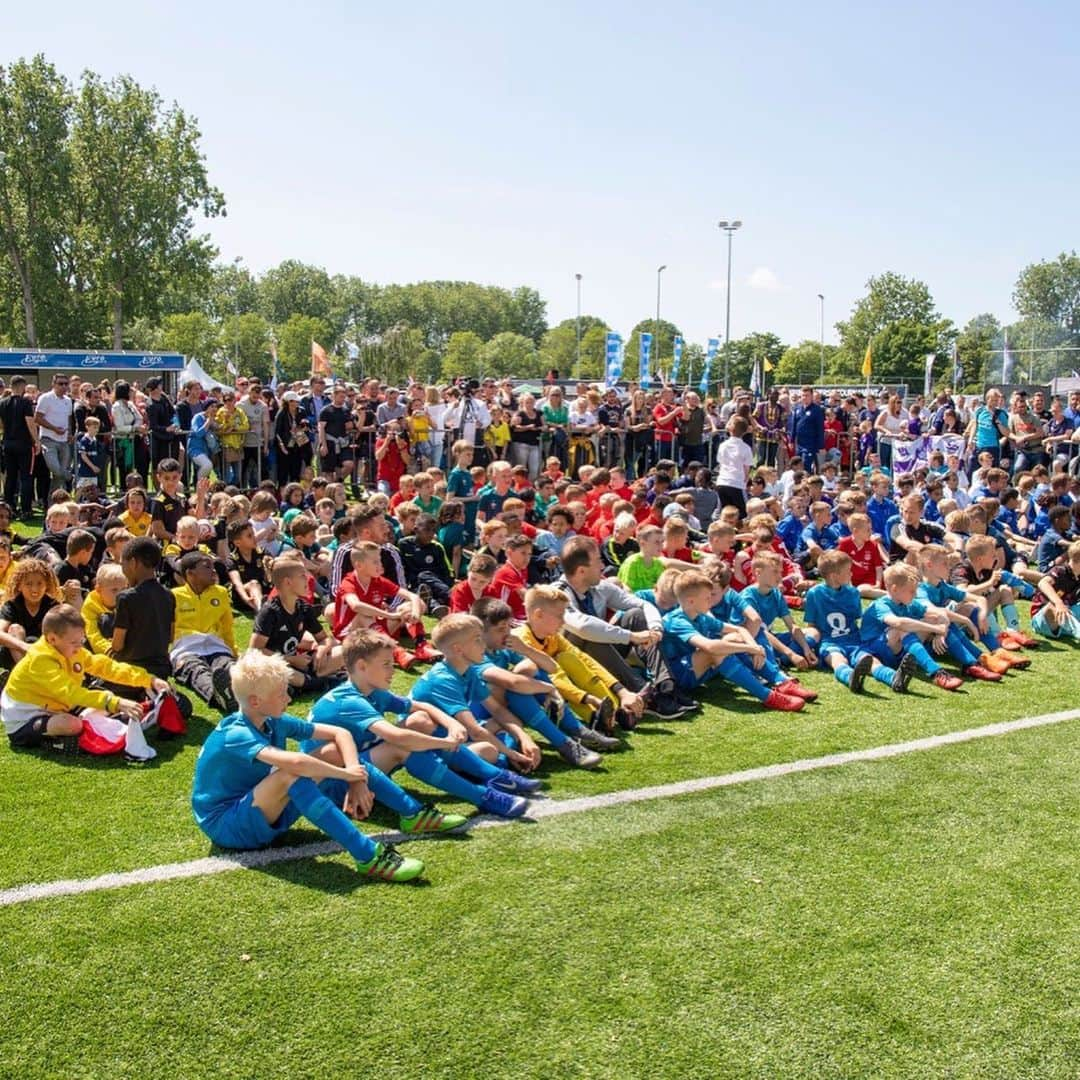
{"x":867,"y":364}
{"x":768,"y":364}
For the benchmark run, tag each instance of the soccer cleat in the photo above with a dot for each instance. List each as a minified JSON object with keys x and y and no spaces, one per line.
{"x":626,"y":719}
{"x":992,"y":662}
{"x":946,"y":681}
{"x":686,"y":702}
{"x":1008,"y":644}
{"x":794,"y":602}
{"x":503,"y":805}
{"x":977,"y":671}
{"x":388,"y":865}
{"x":573,"y":753}
{"x":783,"y":702}
{"x":425,"y":654}
{"x":603,"y":719}
{"x":794,"y":688}
{"x":1020,"y":638}
{"x":403,"y":658}
{"x":1018,"y":662}
{"x":430,"y":819}
{"x":513,"y":783}
{"x":595,"y":740}
{"x":424,"y":592}
{"x":439,"y":611}
{"x":859,"y":672}
{"x":664,"y":707}
{"x":905,"y":672}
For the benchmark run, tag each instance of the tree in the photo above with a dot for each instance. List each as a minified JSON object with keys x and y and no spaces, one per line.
{"x":1051,"y":291}
{"x":35,"y":190}
{"x":233,"y":290}
{"x":744,"y":352}
{"x":191,"y":333}
{"x":398,"y":355}
{"x":889,"y":299}
{"x":295,"y":288}
{"x":802,"y":364}
{"x":294,"y":344}
{"x":462,"y":356}
{"x":509,"y":354}
{"x":245,"y":340}
{"x":558,"y":347}
{"x":593,"y":354}
{"x":974,"y":351}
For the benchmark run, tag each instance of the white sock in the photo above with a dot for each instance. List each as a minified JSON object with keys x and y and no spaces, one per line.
{"x":135,"y":744}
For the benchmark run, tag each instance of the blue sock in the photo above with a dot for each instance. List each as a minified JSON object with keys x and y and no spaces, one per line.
{"x":507,"y":740}
{"x":463,"y":760}
{"x":927,"y":664}
{"x":739,"y":674}
{"x":305,"y":795}
{"x":989,"y":639}
{"x":532,"y":714}
{"x":960,"y":647}
{"x":429,"y":766}
{"x":843,"y":674}
{"x":570,"y":724}
{"x":884,"y":674}
{"x":387,"y":792}
{"x":1012,"y":616}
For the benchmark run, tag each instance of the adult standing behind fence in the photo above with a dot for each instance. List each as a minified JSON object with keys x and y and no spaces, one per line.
{"x":257,"y":436}
{"x":160,"y":414}
{"x":770,"y":419}
{"x":808,"y":429}
{"x":20,"y":438}
{"x":127,"y":427}
{"x":527,"y":426}
{"x":54,"y":415}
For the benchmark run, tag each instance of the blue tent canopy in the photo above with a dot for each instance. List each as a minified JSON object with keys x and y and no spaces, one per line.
{"x":76,"y":360}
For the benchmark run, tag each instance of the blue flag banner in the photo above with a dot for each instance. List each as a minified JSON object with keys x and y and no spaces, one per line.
{"x":79,"y":361}
{"x":710,"y":355}
{"x":612,"y":358}
{"x":676,"y":362}
{"x":646,"y":357}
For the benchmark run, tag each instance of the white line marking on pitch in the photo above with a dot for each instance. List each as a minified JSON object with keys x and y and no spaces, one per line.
{"x":548,"y":808}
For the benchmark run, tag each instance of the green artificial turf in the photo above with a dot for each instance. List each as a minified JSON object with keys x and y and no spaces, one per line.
{"x":905,"y":918}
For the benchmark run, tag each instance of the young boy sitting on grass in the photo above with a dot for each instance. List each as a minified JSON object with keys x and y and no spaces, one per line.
{"x":818,"y":537}
{"x":833,"y":609}
{"x":641,"y":569}
{"x":45,"y":691}
{"x":899,"y":622}
{"x":247,"y":575}
{"x":868,"y":561}
{"x":456,"y":686}
{"x":360,"y":706}
{"x":364,"y":599}
{"x":289,"y":626}
{"x":512,"y":579}
{"x":477,"y":583}
{"x":525,"y":689}
{"x":967,"y":614}
{"x":145,"y":611}
{"x":1055,"y":610}
{"x":249,"y":789}
{"x":790,"y":646}
{"x":203,"y":646}
{"x":697,"y":648}
{"x":76,"y":566}
{"x":99,"y":607}
{"x":978,"y":575}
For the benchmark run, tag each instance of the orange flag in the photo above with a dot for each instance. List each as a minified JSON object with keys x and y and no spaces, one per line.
{"x":320,"y":362}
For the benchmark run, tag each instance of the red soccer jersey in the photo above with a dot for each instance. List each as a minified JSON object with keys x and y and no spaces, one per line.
{"x":864,"y":561}
{"x":378,"y":593}
{"x":509,"y":585}
{"x":462,"y":597}
{"x":665,"y":431}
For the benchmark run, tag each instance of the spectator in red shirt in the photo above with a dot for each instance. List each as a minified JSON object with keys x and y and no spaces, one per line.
{"x":391,"y":458}
{"x":665,"y":421}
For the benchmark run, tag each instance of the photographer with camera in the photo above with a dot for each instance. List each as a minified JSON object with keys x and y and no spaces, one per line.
{"x":392,"y":458}
{"x":468,"y":416}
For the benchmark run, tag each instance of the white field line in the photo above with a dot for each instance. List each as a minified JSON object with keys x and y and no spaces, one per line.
{"x":547,"y":808}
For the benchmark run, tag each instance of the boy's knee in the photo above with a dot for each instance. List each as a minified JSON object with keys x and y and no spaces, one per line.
{"x":16,"y":631}
{"x":419,"y":721}
{"x":1005,"y":595}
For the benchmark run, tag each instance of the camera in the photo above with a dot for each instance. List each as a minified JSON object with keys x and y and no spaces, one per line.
{"x":468,"y":387}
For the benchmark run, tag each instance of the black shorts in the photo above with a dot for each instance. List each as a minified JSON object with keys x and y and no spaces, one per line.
{"x":337,"y":456}
{"x":32,"y":734}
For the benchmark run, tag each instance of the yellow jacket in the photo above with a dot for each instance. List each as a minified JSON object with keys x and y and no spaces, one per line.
{"x":43,"y":677}
{"x":137,"y":526}
{"x":208,"y":613}
{"x":92,"y":610}
{"x":578,"y":675}
{"x":232,"y":428}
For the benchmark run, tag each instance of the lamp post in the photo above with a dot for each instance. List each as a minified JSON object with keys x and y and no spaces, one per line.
{"x":729,"y":227}
{"x":236,"y":309}
{"x":577,"y":328}
{"x":656,"y":325}
{"x":821,"y":299}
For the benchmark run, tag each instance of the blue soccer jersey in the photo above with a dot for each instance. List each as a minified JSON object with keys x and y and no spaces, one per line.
{"x":227,"y":768}
{"x":769,"y":605}
{"x":835,"y":613}
{"x":825,"y":538}
{"x":942,"y":594}
{"x":347,"y":707}
{"x":879,"y":511}
{"x":679,"y":628}
{"x":873,"y":619}
{"x":444,"y":688}
{"x":730,"y":608}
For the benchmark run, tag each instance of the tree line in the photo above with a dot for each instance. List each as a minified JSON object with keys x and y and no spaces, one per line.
{"x":103,"y":185}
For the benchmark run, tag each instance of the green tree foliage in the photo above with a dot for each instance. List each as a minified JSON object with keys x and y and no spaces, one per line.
{"x":295,"y":288}
{"x":593,"y":354}
{"x":974,"y":350}
{"x":294,"y":343}
{"x":745,"y":351}
{"x":191,"y":333}
{"x":245,"y":340}
{"x":462,"y":356}
{"x":398,"y":355}
{"x":140,"y":177}
{"x":1051,"y":291}
{"x":558,"y":347}
{"x":801,"y":363}
{"x":509,"y":354}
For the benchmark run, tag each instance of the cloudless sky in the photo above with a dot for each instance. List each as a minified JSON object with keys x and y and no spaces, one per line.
{"x":517,"y":144}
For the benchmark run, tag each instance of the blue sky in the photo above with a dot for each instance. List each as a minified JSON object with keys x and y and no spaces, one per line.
{"x":519,"y":144}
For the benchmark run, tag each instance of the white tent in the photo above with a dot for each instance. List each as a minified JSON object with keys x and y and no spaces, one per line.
{"x":193,"y":372}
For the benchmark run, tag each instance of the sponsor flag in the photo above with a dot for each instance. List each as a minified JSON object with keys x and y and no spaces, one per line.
{"x":612,"y":358}
{"x":645,"y":350}
{"x":957,"y":370}
{"x":676,"y":362}
{"x":768,"y":364}
{"x":710,"y":355}
{"x":929,"y":379}
{"x":1008,"y":361}
{"x":755,"y":379}
{"x":231,"y":368}
{"x":868,"y":363}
